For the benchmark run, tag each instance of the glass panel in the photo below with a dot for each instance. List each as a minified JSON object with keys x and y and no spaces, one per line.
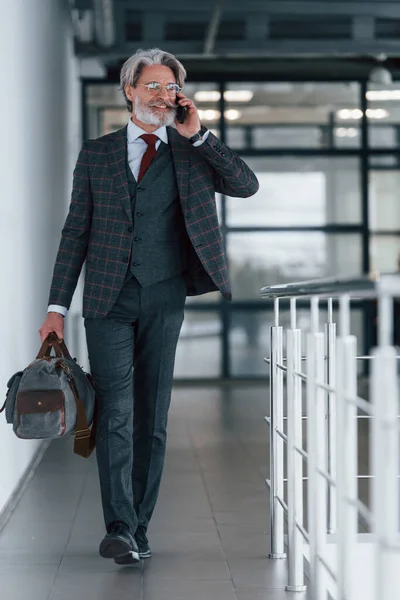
{"x":384,"y":205}
{"x":292,"y":115}
{"x":385,"y":253}
{"x":384,"y":161}
{"x":260,"y":259}
{"x":293,"y":136}
{"x":199,"y":348}
{"x":112,"y":119}
{"x":204,"y":298}
{"x":300,"y":191}
{"x":384,"y":115}
{"x":249,"y":336}
{"x":236,"y":137}
{"x":206,"y":97}
{"x":105,"y":109}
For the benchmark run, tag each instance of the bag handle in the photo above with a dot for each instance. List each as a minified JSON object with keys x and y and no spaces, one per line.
{"x":59,"y":346}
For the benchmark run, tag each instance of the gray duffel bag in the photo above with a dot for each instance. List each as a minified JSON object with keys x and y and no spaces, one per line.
{"x":53,"y":397}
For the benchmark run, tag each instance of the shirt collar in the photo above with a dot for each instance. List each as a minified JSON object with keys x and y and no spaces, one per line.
{"x":134,"y":132}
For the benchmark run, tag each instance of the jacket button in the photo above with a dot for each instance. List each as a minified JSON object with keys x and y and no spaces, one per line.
{"x":140,"y":189}
{"x":125,"y":259}
{"x":130,"y":229}
{"x":138,"y":214}
{"x":135,"y":264}
{"x":136,"y":239}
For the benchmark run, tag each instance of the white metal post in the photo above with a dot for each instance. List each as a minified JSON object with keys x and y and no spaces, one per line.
{"x":312,"y":445}
{"x":385,"y":461}
{"x":330,"y":377}
{"x":276,"y":442}
{"x":321,"y":486}
{"x":294,"y":460}
{"x":347,"y":453}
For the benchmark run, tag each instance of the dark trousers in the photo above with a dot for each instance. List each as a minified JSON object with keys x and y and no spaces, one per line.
{"x":141,"y":331}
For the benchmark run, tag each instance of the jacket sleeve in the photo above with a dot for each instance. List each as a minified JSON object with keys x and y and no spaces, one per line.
{"x":232,"y":176}
{"x":74,"y":236}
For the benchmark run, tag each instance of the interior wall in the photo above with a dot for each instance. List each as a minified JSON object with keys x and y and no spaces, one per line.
{"x":40,"y":109}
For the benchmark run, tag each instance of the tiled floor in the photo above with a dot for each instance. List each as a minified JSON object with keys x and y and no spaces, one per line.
{"x":209,"y":532}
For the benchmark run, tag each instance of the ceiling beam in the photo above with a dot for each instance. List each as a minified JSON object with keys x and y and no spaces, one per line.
{"x":287,"y":8}
{"x":251,"y":48}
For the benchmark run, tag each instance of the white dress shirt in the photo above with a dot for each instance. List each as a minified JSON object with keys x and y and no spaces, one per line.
{"x":136,"y":148}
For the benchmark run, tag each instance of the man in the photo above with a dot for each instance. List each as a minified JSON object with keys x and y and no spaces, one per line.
{"x":144,"y":218}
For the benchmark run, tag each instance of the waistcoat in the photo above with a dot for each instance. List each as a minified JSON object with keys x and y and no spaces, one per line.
{"x":159,"y":245}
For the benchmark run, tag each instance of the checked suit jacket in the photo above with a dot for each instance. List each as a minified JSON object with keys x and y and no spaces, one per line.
{"x":98,"y":227}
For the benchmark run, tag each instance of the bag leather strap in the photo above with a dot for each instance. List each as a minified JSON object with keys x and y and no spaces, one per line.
{"x":85,"y":438}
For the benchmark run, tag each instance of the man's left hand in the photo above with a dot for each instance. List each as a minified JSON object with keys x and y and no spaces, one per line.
{"x":191,"y":124}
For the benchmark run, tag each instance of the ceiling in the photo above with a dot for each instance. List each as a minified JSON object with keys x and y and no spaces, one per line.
{"x":112,"y":30}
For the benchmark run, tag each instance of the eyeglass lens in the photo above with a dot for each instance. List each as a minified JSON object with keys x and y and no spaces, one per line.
{"x":155,"y":86}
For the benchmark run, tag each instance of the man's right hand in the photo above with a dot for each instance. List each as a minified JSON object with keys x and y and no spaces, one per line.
{"x":53,"y":322}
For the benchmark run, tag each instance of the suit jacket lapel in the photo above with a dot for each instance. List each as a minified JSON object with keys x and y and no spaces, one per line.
{"x":117,"y":156}
{"x":180,"y":156}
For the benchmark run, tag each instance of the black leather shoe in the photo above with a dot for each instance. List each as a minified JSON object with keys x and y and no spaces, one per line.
{"x":119,"y":542}
{"x":144,"y":549}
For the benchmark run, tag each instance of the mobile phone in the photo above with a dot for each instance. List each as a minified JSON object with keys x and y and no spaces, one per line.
{"x":180,"y":113}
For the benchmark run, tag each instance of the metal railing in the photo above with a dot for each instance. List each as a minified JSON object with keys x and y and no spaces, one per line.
{"x":339,"y":559}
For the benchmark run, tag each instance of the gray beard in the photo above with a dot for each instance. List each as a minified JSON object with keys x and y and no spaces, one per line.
{"x":147,"y":115}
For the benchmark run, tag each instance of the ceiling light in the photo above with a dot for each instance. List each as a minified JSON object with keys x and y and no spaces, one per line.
{"x":377,"y":113}
{"x":229,"y":95}
{"x":238,"y":95}
{"x":356,"y":113}
{"x":349,"y":113}
{"x":209,"y":115}
{"x":349,"y":132}
{"x":207,"y":96}
{"x":383,"y":95}
{"x":232,"y":114}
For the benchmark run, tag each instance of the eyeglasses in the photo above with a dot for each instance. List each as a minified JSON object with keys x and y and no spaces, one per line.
{"x":155,"y":88}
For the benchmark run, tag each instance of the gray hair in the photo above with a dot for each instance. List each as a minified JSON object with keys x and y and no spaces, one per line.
{"x":132,"y":68}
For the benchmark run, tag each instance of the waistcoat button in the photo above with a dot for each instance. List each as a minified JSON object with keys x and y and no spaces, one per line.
{"x":130,"y":229}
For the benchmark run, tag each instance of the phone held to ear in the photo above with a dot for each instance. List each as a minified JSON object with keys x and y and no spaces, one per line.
{"x":180,"y":113}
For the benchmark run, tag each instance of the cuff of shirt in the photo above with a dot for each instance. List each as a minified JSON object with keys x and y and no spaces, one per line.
{"x":57,"y":308}
{"x":200,"y":142}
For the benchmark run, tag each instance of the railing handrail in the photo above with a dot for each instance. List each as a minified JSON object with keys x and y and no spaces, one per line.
{"x":372,"y":285}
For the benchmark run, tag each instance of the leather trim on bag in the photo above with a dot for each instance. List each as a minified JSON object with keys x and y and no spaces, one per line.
{"x":38,"y":401}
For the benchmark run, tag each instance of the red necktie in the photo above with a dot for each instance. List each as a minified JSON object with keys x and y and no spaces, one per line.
{"x":150,"y":153}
